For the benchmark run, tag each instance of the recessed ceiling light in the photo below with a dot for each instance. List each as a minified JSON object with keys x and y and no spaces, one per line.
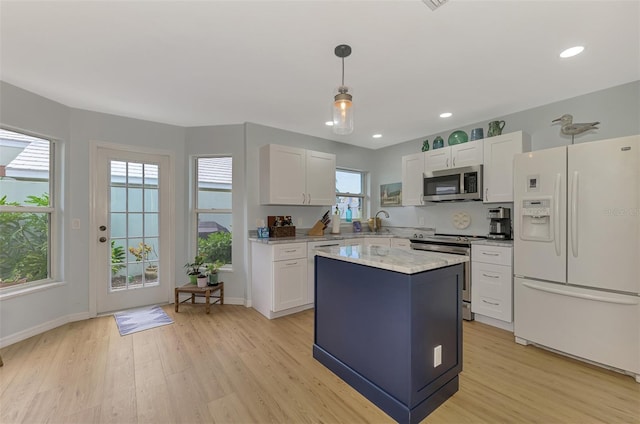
{"x":329,"y":123}
{"x":377,"y":136}
{"x":446,"y":115}
{"x":572,"y":51}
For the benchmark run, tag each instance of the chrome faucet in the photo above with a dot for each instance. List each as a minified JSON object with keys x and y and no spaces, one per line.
{"x":375,"y":219}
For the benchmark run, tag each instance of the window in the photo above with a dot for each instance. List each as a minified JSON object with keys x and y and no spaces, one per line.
{"x":350,"y":193}
{"x":26,"y":208}
{"x":212,"y":206}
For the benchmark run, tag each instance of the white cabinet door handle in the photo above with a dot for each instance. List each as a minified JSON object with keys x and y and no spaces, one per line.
{"x":309,"y":201}
{"x":490,"y":276}
{"x":490,"y":254}
{"x":447,"y":162}
{"x":292,"y":263}
{"x":490,"y":303}
{"x":304,"y":198}
{"x":486,"y":193}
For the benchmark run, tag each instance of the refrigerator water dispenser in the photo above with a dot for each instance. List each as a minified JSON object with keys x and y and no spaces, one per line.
{"x":536,"y":219}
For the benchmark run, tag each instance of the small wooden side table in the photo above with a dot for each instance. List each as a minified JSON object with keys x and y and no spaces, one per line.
{"x":208,"y":293}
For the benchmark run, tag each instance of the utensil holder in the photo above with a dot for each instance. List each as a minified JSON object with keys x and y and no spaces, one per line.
{"x":317,"y":229}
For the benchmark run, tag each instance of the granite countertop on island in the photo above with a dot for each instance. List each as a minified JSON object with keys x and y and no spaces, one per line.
{"x":392,"y":259}
{"x":303,"y":238}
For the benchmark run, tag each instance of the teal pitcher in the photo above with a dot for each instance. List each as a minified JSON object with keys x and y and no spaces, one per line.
{"x":495,"y":128}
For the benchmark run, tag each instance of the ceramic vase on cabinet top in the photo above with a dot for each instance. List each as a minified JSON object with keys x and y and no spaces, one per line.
{"x":495,"y":128}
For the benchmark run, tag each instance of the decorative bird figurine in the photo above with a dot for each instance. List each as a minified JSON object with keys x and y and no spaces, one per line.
{"x":569,"y":128}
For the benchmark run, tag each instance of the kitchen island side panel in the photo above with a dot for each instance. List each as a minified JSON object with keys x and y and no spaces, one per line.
{"x":363,"y":319}
{"x":384,"y":325}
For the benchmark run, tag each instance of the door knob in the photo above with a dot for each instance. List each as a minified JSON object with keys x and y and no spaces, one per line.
{"x":102,"y":228}
{"x":102,"y":239}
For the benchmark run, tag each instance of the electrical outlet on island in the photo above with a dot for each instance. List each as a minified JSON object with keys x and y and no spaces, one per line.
{"x":437,"y":356}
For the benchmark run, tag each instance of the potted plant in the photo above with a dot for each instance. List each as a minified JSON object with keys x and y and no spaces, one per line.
{"x":212,"y":272}
{"x":141,"y":253}
{"x":193,"y":270}
{"x":118,"y":257}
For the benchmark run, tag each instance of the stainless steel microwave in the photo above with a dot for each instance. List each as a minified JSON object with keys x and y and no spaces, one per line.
{"x":453,"y":184}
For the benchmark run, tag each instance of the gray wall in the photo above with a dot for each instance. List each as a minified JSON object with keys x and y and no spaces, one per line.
{"x":49,"y":306}
{"x":87,"y":127}
{"x":27,"y":112}
{"x":224,"y":140}
{"x":617,"y":108}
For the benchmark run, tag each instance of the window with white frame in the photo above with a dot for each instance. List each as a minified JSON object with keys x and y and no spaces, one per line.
{"x":350,"y":193}
{"x":27,"y":208}
{"x":212,"y":208}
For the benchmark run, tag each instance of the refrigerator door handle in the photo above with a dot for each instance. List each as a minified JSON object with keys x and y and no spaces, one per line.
{"x":574,"y":214}
{"x":556,"y":213}
{"x":581,"y":295}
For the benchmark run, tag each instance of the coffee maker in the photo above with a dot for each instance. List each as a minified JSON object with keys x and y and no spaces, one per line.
{"x":500,"y":226}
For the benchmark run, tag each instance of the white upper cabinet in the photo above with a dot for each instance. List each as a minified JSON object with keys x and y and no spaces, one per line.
{"x":321,"y":178}
{"x":412,"y":179}
{"x":294,"y":176}
{"x":498,"y":164}
{"x":437,"y":159}
{"x":456,"y":156}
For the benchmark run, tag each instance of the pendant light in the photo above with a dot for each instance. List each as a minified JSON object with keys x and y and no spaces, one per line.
{"x":342,"y":104}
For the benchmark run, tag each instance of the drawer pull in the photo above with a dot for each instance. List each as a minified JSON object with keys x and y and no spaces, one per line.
{"x":490,"y":276}
{"x":490,"y":303}
{"x":290,"y":251}
{"x":490,"y":254}
{"x":291,"y":263}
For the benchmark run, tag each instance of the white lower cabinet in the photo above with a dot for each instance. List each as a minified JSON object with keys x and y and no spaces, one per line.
{"x":492,"y":282}
{"x":279,"y":278}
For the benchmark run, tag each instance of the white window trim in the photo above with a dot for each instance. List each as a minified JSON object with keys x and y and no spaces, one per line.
{"x":197,"y":211}
{"x":364,"y":195}
{"x":55,"y":248}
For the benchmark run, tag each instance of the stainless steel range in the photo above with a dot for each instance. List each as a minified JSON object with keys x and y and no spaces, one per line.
{"x":456,"y":245}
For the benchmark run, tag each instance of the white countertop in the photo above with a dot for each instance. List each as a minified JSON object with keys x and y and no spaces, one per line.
{"x":392,"y":259}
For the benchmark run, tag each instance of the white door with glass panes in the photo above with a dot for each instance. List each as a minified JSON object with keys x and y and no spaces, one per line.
{"x":131,"y":229}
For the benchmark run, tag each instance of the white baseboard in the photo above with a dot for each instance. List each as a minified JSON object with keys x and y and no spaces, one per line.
{"x":41,"y":328}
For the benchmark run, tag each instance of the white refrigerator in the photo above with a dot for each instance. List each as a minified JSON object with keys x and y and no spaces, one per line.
{"x":577,"y":251}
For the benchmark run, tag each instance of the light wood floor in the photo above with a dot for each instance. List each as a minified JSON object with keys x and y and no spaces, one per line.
{"x":234,"y":366}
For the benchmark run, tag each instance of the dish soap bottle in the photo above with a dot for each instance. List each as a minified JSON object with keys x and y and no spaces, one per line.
{"x":349,"y":213}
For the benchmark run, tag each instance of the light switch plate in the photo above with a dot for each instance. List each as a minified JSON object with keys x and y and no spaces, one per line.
{"x":75,"y":224}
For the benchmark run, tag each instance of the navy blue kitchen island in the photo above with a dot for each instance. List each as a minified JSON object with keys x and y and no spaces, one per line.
{"x":383,"y":317}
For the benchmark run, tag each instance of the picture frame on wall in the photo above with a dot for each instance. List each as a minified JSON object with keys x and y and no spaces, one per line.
{"x":391,"y":194}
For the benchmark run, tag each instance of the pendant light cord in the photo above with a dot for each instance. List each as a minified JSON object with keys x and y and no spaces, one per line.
{"x":343,"y":71}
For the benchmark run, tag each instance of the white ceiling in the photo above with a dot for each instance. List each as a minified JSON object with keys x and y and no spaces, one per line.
{"x":194,"y":63}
